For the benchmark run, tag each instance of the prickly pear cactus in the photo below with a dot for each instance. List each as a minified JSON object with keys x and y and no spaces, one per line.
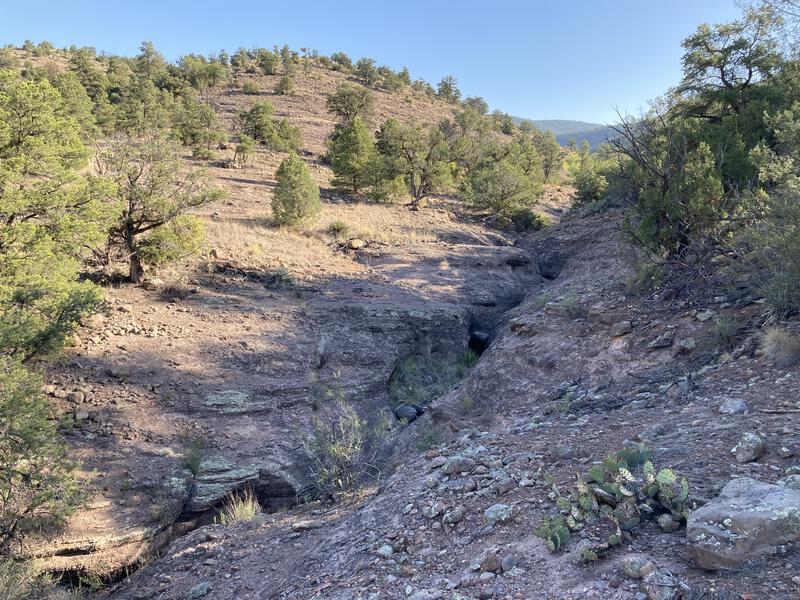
{"x":613,"y":496}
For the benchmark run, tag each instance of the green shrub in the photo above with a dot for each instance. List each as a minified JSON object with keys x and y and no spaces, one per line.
{"x":17,"y":580}
{"x":288,"y":137}
{"x":351,"y":150}
{"x":279,"y":279}
{"x":420,"y":379}
{"x":724,"y":332}
{"x":646,"y":277}
{"x":257,"y":123}
{"x":525,"y":219}
{"x":285,"y":86}
{"x":501,"y":188}
{"x":243,"y":150}
{"x":342,"y":447}
{"x":389,"y":190}
{"x":179,"y":239}
{"x":296,"y":199}
{"x":338,"y":229}
{"x":38,"y":487}
{"x":193,"y":448}
{"x":250,"y":88}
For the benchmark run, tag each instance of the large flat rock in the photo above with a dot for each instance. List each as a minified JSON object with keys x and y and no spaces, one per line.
{"x":749,"y":520}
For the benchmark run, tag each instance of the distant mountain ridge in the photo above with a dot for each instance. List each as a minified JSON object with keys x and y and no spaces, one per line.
{"x":565,"y":130}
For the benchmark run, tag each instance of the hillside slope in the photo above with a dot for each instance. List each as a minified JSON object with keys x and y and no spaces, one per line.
{"x":561,"y":386}
{"x":566,"y":130}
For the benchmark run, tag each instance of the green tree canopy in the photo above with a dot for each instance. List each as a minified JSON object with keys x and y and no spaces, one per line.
{"x":154,"y":189}
{"x":296,"y":200}
{"x":350,"y":101}
{"x":352,"y":153}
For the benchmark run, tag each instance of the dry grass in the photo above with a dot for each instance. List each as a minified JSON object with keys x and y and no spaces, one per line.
{"x":242,"y":507}
{"x":781,"y":346}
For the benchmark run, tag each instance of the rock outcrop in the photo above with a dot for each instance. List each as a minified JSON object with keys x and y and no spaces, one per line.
{"x":749,"y":520}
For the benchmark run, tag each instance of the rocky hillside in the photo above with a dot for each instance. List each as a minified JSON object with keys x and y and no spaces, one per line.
{"x":598,"y":442}
{"x":577,"y":368}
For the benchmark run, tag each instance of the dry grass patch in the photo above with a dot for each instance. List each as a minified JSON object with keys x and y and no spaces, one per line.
{"x":781,"y":346}
{"x":242,"y":507}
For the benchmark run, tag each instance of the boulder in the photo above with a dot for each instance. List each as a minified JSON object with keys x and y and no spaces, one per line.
{"x":621,"y":328}
{"x":733,"y":406}
{"x":458,"y":464}
{"x":749,"y":520}
{"x":356,"y":244}
{"x":408,"y":412}
{"x":636,"y":566}
{"x":750,"y":447}
{"x":499,"y":513}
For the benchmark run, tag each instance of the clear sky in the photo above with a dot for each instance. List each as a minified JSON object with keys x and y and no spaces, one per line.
{"x":541,"y":59}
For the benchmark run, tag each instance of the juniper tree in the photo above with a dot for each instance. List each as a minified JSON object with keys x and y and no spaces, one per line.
{"x":154,"y":189}
{"x":296,"y":200}
{"x":352,"y":153}
{"x":349,"y":101}
{"x":419,"y":155}
{"x":197,"y":126}
{"x":50,"y":216}
{"x":285,"y":86}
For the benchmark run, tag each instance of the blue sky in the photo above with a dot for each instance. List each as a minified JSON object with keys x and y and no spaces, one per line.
{"x":542,"y":59}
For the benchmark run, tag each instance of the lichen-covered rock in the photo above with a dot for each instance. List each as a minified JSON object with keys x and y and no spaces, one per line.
{"x":458,"y":464}
{"x":748,"y":521}
{"x":750,"y":447}
{"x":636,"y":566}
{"x":499,"y":513}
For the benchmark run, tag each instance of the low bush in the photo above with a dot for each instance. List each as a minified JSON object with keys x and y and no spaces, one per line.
{"x":250,"y":88}
{"x":296,"y":200}
{"x":338,"y":229}
{"x":420,"y":379}
{"x":781,"y":346}
{"x":285,"y":86}
{"x":525,"y":219}
{"x":342,"y":447}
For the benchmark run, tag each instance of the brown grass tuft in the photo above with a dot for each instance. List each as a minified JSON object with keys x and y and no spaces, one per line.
{"x":781,"y":346}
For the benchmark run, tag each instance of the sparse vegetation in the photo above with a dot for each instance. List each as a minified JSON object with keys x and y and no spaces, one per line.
{"x":724,"y":332}
{"x":285,"y":86}
{"x":250,"y":88}
{"x":240,"y":507}
{"x":781,"y":346}
{"x":342,"y":447}
{"x":338,"y":229}
{"x":193,"y":449}
{"x":421,"y":379}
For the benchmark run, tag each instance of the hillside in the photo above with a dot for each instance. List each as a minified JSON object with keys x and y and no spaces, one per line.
{"x":525,"y":371}
{"x":580,"y":131}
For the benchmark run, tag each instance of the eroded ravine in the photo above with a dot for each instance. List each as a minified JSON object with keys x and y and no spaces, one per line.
{"x":176,"y":404}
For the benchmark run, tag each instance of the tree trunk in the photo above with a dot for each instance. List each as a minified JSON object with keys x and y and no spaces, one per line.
{"x":135,"y":272}
{"x":415,"y":191}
